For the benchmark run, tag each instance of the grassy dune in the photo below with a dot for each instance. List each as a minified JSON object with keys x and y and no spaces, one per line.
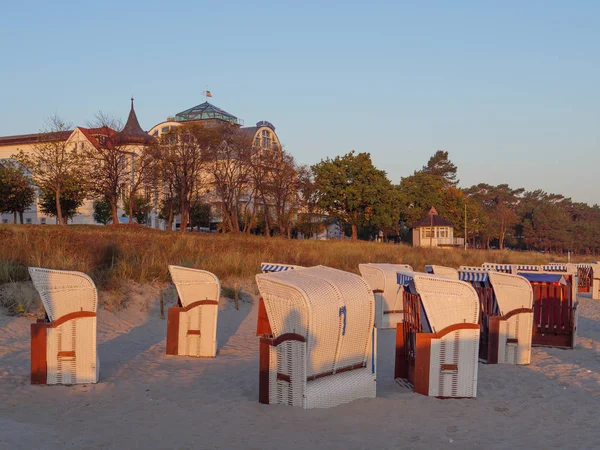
{"x":141,"y":254}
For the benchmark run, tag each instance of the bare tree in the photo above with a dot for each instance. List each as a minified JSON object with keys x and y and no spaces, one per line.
{"x":280,"y":187}
{"x":54,"y":161}
{"x":230,"y":169}
{"x":143,"y":173}
{"x":182,"y":152}
{"x":106,"y":165}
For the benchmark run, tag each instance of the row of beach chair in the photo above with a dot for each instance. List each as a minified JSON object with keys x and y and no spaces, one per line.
{"x":318,"y":325}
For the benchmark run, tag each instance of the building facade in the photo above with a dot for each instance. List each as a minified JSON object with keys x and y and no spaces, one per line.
{"x":434,"y":231}
{"x":131,"y":139}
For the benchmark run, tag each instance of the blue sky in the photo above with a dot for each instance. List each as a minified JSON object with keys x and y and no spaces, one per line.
{"x":509,"y":88}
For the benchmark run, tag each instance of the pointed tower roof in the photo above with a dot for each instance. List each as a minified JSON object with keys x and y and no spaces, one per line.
{"x":132,"y":132}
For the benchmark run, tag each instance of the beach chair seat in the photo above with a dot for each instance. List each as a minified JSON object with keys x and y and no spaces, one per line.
{"x":317,"y":338}
{"x":437,"y":344}
{"x":192,"y":324}
{"x":63,"y":346}
{"x":388,"y":294}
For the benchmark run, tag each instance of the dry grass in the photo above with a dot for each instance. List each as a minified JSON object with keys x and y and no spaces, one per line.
{"x":112,"y":254}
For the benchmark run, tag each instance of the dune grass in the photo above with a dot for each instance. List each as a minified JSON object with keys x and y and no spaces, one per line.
{"x":112,"y":254}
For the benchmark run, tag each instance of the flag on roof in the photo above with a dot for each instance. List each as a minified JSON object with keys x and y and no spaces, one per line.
{"x":208,"y":94}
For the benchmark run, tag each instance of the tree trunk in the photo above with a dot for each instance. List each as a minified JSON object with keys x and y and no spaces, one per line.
{"x":354,"y":232}
{"x":15,"y":217}
{"x":267,"y":223}
{"x":170,"y":219}
{"x":59,"y":215}
{"x":184,"y":219}
{"x":131,"y":200}
{"x":113,"y":211}
{"x":21,"y":217}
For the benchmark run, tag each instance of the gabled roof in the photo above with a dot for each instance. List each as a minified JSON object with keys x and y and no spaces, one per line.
{"x":206,"y":111}
{"x":94,"y":135}
{"x":132,"y":132}
{"x":432,"y":219}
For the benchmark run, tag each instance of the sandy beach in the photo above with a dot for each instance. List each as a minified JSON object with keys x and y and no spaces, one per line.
{"x":145,"y":399}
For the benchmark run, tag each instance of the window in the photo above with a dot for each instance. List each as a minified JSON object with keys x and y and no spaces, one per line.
{"x":43,"y":221}
{"x":165,"y":129}
{"x":427,"y":232}
{"x":266,"y":139}
{"x":28,"y":221}
{"x":4,"y":220}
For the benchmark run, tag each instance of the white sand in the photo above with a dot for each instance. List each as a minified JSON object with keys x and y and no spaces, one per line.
{"x":147,"y":400}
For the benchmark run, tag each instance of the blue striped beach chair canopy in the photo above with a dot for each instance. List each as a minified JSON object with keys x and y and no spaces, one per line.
{"x":271,"y":267}
{"x":505,"y":268}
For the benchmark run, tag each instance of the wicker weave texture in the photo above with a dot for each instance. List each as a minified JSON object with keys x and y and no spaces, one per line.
{"x":447,"y":302}
{"x":595,"y":281}
{"x":63,"y":292}
{"x":384,"y":277}
{"x":459,"y":349}
{"x":198,"y":326}
{"x":448,"y":272}
{"x":517,"y":328}
{"x":334,"y":312}
{"x":71,"y":351}
{"x":512,"y":291}
{"x":77,"y":336}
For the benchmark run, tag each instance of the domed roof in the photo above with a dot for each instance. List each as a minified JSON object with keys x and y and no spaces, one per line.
{"x":206,"y":111}
{"x":132,"y":132}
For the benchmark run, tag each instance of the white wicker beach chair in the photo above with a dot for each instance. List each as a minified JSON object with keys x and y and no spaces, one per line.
{"x":192,"y":324}
{"x":505,"y":268}
{"x":437,"y":345}
{"x":63,"y":348}
{"x":321,"y":350}
{"x":382,"y":279}
{"x":448,"y":272}
{"x":271,"y":267}
{"x":509,"y":340}
{"x":595,"y":268}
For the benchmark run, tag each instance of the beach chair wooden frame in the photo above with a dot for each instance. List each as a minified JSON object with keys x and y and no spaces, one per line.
{"x":506,"y":315}
{"x":555,"y":305}
{"x":437,"y":344}
{"x":63,"y":345}
{"x":318,"y":342}
{"x":192,"y":323}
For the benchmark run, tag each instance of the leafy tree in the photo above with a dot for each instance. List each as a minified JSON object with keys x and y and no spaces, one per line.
{"x":140,"y":208}
{"x":353,"y":191}
{"x":418,"y":193}
{"x":72,"y":196}
{"x":440,"y":165}
{"x":500,"y":204}
{"x":102,"y":211}
{"x":53,"y":163}
{"x":200,"y":215}
{"x":16,"y":190}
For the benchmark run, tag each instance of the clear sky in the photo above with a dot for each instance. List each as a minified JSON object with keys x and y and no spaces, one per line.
{"x":509,"y":88}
